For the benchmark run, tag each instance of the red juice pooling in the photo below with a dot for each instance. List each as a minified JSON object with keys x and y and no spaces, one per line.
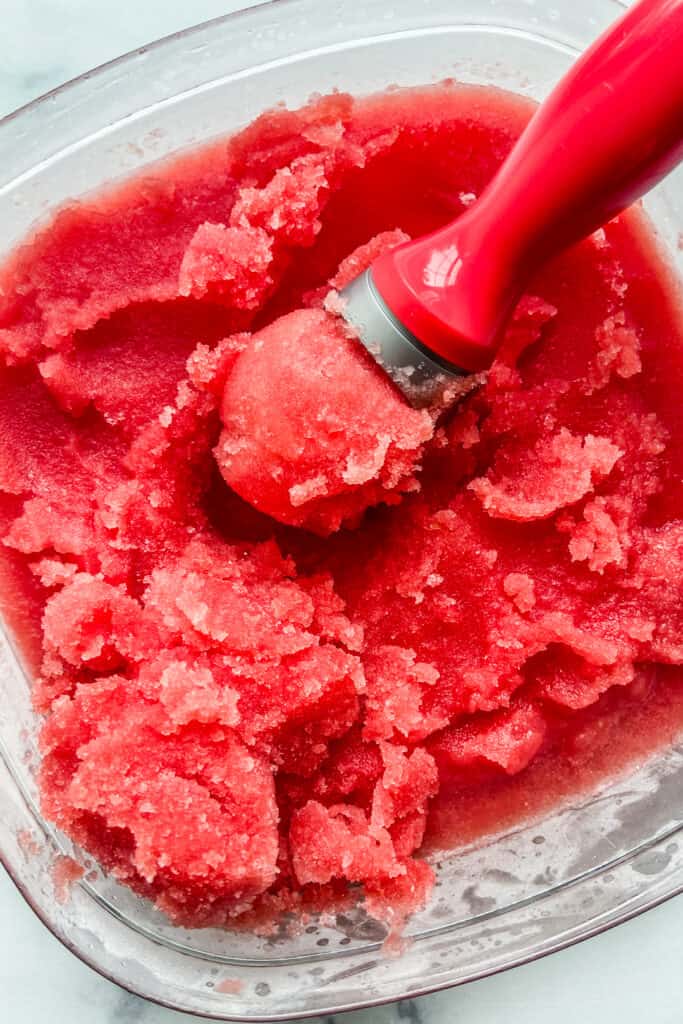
{"x":275,"y":663}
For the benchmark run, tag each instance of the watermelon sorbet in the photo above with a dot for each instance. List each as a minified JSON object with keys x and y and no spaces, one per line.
{"x":286,"y":632}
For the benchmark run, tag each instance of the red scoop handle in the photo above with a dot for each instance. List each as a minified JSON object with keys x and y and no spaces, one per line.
{"x":609,"y":131}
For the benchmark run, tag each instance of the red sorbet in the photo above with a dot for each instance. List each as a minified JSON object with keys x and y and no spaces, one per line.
{"x":241,"y":717}
{"x":314,"y":431}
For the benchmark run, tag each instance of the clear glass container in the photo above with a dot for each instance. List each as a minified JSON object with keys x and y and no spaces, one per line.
{"x":518,"y":896}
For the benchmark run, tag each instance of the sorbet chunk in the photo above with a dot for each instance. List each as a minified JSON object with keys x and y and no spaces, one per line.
{"x":560,"y":472}
{"x":313,"y":431}
{"x":339,"y":842}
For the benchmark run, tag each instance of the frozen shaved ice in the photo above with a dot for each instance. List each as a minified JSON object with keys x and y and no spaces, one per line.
{"x":283,"y":627}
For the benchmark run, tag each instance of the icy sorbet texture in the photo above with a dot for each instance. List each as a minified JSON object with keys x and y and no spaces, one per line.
{"x":286,"y":632}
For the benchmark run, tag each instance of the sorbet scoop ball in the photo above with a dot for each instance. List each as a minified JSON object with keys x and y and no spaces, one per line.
{"x":433,"y":309}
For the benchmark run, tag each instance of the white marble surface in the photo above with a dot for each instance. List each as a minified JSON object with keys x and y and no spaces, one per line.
{"x":632,"y":974}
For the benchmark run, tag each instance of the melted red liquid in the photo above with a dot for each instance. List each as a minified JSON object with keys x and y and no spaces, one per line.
{"x":241,"y":716}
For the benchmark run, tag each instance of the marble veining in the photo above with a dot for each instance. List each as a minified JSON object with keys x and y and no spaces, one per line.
{"x":128,"y":1009}
{"x":624,"y":977}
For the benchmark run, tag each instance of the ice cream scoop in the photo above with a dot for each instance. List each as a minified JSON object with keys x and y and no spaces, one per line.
{"x":434,"y":308}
